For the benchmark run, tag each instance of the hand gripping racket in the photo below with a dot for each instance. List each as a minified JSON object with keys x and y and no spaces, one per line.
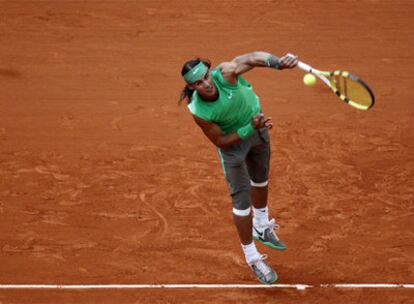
{"x":348,"y":87}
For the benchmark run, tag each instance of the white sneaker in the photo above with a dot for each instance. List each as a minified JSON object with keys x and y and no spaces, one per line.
{"x":264,"y":273}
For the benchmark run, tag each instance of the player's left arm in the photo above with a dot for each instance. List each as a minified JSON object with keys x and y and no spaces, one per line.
{"x":244,"y":63}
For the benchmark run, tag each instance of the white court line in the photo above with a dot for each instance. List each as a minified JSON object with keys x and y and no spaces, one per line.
{"x":205,"y":286}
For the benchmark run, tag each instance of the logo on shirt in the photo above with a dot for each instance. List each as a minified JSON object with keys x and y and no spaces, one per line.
{"x":230,"y":95}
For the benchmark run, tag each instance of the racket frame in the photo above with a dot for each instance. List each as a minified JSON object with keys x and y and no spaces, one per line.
{"x":322,"y":75}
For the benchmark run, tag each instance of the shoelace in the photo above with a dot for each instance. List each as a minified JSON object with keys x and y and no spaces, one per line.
{"x":273,"y":226}
{"x":261,"y":265}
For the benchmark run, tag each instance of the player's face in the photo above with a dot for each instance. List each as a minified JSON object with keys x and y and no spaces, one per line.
{"x":205,"y":87}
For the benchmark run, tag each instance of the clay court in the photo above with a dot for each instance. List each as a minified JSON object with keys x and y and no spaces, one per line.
{"x":104,"y":179}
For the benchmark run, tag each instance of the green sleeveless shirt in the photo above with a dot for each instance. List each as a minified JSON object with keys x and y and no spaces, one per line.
{"x":234,"y":108}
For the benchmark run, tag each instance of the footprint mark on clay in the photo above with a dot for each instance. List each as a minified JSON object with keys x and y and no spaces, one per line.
{"x":52,"y":170}
{"x":164,"y":228}
{"x":68,"y":121}
{"x":116,"y":124}
{"x":194,"y":191}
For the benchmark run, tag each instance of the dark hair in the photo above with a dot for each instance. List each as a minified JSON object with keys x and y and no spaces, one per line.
{"x":187,"y":93}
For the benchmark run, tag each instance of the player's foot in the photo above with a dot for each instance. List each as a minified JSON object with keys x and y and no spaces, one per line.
{"x":264,"y":273}
{"x":266,"y":235}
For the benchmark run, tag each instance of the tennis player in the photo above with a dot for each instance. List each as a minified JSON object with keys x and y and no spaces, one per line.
{"x":226,"y":108}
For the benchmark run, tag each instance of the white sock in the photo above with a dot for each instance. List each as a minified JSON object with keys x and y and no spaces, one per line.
{"x":250,"y":252}
{"x":260,"y":216}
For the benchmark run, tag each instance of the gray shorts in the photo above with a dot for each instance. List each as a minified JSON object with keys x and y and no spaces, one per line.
{"x":243,"y":162}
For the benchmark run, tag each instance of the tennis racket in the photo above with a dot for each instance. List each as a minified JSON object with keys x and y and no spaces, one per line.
{"x":348,"y":87}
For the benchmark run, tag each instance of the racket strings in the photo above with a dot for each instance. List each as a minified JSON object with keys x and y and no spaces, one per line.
{"x":340,"y":83}
{"x":348,"y":88}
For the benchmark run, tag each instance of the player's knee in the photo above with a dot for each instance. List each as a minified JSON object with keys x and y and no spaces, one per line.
{"x":241,"y":203}
{"x":259,"y":184}
{"x":238,"y":212}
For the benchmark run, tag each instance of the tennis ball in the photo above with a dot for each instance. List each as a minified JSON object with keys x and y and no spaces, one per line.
{"x":309,"y":79}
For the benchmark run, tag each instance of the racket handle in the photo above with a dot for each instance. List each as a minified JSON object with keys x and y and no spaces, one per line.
{"x":305,"y":67}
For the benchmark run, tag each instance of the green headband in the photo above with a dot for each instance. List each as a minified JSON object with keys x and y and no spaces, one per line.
{"x":196,"y":73}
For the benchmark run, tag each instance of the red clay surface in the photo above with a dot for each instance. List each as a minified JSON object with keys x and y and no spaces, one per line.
{"x":105,"y":180}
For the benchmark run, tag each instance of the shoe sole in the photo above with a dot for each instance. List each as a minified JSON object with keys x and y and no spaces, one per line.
{"x":268,"y":244}
{"x":269,"y":283}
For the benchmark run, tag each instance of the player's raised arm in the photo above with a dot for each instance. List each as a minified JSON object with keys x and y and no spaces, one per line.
{"x":244,"y":63}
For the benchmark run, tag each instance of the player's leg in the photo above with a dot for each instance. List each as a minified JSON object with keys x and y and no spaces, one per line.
{"x":238,"y":181}
{"x":259,"y":194}
{"x":258,"y":161}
